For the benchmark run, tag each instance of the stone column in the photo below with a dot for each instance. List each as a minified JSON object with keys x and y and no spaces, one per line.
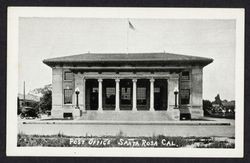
{"x":79,"y":84}
{"x":151,"y":94}
{"x":117,"y":94}
{"x":100,"y":94}
{"x":84,"y":95}
{"x":173,"y":84}
{"x":196,"y":93}
{"x":134,"y":94}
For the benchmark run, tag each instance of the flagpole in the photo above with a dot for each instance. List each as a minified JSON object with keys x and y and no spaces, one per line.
{"x":127,"y":33}
{"x":130,"y":26}
{"x":24,"y":100}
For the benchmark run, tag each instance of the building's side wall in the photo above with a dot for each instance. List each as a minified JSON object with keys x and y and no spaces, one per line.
{"x":57,"y":93}
{"x":185,"y":84}
{"x":58,"y":87}
{"x":196,"y":109}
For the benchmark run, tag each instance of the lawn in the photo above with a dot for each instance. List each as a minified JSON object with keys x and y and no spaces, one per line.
{"x":160,"y":141}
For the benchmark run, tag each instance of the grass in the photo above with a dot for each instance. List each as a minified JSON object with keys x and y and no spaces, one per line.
{"x":120,"y":140}
{"x":217,"y":144}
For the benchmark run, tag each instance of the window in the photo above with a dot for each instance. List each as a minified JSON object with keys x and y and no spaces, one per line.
{"x":141,"y":96}
{"x":68,"y":75}
{"x":185,"y":75}
{"x":157,"y":90}
{"x":126,"y":95}
{"x":185,"y":96}
{"x":110,"y":95}
{"x":67,"y":115}
{"x":95,"y":90}
{"x":68,"y":96}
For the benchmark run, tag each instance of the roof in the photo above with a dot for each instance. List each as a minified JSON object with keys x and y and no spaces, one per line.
{"x":128,"y":57}
{"x":29,"y":97}
{"x":228,"y":103}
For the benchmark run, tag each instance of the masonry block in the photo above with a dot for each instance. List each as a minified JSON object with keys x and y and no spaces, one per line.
{"x":57,"y":113}
{"x":197,"y":112}
{"x":76,"y":113}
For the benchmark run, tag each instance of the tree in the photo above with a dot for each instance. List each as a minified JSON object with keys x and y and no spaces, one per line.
{"x":207,"y":105}
{"x":18,"y":106}
{"x":46,"y":101}
{"x":217,"y":99}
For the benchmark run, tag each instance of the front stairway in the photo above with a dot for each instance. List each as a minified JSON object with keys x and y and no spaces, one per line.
{"x":127,"y":116}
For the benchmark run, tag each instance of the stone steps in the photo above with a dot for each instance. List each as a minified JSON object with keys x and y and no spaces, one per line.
{"x":126,"y":116}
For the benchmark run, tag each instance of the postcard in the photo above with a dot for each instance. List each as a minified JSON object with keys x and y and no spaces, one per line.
{"x":125,"y":82}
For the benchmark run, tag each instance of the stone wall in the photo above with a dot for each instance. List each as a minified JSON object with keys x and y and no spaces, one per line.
{"x":196,"y":93}
{"x":129,"y":116}
{"x":58,"y":87}
{"x":59,"y":84}
{"x":57,"y":93}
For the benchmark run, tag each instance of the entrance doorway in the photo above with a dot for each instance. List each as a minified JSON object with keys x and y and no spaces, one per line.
{"x":108,"y":94}
{"x":126,"y":94}
{"x":160,"y":94}
{"x":142,"y":94}
{"x":91,"y":94}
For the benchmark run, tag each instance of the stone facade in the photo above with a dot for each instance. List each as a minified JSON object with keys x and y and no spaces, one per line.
{"x":128,"y":93}
{"x":79,"y":81}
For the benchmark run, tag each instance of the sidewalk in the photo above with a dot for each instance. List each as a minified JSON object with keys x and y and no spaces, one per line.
{"x":79,"y":122}
{"x":206,"y":127}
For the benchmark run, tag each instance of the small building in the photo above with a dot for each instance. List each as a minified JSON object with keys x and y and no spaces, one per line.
{"x":28,"y":100}
{"x":127,"y":87}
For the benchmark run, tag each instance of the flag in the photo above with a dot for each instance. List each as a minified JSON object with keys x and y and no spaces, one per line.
{"x":131,"y":25}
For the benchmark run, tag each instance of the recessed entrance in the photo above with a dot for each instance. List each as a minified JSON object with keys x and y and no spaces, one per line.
{"x":91,"y":94}
{"x":126,"y":94}
{"x":160,"y":94}
{"x":108,"y":94}
{"x":142,"y":94}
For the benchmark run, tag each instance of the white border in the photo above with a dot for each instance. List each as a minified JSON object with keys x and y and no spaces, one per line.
{"x":165,"y":13}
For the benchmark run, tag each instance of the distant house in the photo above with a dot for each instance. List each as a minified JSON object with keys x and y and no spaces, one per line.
{"x":30,"y":100}
{"x":229,"y":106}
{"x":224,"y":107}
{"x":217,"y":108}
{"x":39,"y":92}
{"x":228,"y":103}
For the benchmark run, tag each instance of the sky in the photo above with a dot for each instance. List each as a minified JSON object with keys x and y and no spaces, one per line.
{"x":42,"y":38}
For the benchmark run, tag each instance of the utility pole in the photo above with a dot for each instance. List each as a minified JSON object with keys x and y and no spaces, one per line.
{"x":127,"y":34}
{"x":24,"y":102}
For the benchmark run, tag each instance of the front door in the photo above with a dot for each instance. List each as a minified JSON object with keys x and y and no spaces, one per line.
{"x":158,"y":98}
{"x":126,"y":94}
{"x":91,"y":94}
{"x":94,"y":98}
{"x":160,"y":94}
